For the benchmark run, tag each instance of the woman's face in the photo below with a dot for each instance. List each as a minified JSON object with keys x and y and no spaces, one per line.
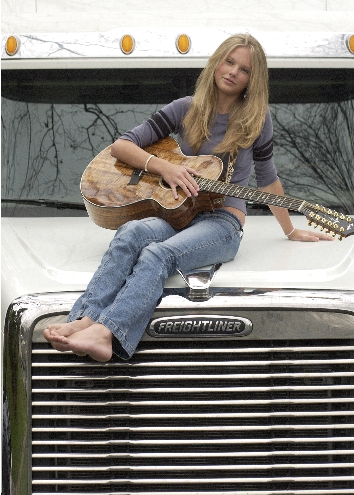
{"x":233,"y":74}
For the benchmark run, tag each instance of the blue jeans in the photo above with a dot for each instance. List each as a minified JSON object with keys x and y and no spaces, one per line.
{"x":126,"y":287}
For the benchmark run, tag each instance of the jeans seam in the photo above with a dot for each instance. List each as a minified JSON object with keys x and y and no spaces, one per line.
{"x":229,"y":237}
{"x":117,"y":332}
{"x":143,"y":306}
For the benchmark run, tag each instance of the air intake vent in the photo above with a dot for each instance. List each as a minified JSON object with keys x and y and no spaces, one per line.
{"x":192,"y":418}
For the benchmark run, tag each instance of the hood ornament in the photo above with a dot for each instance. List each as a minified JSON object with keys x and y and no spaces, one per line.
{"x":199,"y":282}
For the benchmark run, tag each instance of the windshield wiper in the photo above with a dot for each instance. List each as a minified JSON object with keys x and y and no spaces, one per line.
{"x":47,"y":203}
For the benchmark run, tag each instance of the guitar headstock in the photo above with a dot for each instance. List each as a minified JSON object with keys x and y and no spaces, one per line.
{"x":329,"y":220}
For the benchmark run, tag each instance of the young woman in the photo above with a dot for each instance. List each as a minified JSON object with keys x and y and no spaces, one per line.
{"x":228,"y":116}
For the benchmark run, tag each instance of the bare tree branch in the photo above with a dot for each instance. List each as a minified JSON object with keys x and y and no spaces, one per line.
{"x":319,"y":138}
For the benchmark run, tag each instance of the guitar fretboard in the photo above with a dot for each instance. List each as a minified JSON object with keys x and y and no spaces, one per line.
{"x":250,"y":194}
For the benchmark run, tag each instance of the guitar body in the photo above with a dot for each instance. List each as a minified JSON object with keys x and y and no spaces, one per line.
{"x":111,"y":201}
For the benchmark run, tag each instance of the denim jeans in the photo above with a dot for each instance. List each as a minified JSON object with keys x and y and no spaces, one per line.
{"x":125,"y":289}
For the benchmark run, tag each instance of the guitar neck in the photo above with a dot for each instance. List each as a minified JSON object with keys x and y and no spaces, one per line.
{"x":250,"y":194}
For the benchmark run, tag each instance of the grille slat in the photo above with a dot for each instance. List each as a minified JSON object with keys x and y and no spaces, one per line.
{"x":226,"y":364}
{"x":260,"y":441}
{"x":134,"y":429}
{"x":145,"y":403}
{"x":82,"y":417}
{"x":216,"y":350}
{"x":195,"y":420}
{"x":209,"y":467}
{"x":216,"y":453}
{"x":226,"y":376}
{"x":191,"y":390}
{"x":197,"y":481}
{"x":197,"y":492}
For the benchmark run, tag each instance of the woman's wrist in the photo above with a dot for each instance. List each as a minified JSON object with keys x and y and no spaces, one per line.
{"x":147,"y":162}
{"x":290,"y":233}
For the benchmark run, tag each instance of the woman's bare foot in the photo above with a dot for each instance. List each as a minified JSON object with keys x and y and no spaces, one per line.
{"x":94,"y":341}
{"x":69,"y":328}
{"x":52,"y":332}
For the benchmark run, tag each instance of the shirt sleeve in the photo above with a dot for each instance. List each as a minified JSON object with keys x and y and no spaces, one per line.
{"x":265,"y":171}
{"x":168,"y":120}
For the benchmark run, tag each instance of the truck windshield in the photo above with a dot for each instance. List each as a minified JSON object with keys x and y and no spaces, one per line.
{"x":55,"y":122}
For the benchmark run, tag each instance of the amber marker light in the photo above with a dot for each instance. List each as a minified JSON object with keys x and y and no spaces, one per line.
{"x":183,"y":43}
{"x":350,"y":43}
{"x":127,"y":44}
{"x":12,"y":45}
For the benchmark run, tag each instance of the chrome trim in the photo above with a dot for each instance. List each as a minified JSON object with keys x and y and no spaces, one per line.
{"x":201,"y":428}
{"x":167,"y":63}
{"x":174,"y":403}
{"x":28,"y":315}
{"x":21,"y":318}
{"x":301,"y":314}
{"x":215,"y":350}
{"x":238,"y":492}
{"x":166,"y":455}
{"x":211,"y":467}
{"x":196,"y":415}
{"x":203,"y":377}
{"x":160,"y":43}
{"x":231,"y":441}
{"x":199,"y":282}
{"x":190,"y":389}
{"x":178,"y":481}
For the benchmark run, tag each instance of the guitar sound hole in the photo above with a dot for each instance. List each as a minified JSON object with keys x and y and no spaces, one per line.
{"x":164,"y":184}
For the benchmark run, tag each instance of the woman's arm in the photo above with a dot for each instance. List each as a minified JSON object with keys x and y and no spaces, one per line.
{"x":175,"y":176}
{"x":283,"y":217}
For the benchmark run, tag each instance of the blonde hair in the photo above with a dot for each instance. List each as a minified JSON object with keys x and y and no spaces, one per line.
{"x":246,"y":116}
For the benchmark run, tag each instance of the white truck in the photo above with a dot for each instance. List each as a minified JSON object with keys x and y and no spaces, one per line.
{"x":244,"y":380}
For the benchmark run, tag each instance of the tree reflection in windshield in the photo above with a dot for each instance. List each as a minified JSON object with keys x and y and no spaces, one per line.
{"x":46,"y":147}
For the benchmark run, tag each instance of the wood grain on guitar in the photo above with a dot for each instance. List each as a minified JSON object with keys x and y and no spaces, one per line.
{"x":115,"y":193}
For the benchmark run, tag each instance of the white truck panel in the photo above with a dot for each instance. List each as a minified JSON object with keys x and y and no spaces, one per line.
{"x":83,"y":16}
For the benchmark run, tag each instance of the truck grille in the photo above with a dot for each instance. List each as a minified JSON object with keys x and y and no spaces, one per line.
{"x":194,"y":418}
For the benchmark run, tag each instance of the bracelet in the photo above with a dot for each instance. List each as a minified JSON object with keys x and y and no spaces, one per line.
{"x":287,"y":235}
{"x":147,"y":162}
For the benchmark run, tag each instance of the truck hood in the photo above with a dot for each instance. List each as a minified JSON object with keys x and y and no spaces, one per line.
{"x":61,"y":254}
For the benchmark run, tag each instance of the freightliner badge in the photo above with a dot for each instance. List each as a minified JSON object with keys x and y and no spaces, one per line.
{"x":200,"y":326}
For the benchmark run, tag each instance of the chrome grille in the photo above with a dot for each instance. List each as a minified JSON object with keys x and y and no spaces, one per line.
{"x":193,"y":418}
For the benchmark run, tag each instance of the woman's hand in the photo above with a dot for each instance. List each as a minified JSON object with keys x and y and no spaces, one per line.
{"x":282,"y":215}
{"x":180,"y":176}
{"x":309,"y":236}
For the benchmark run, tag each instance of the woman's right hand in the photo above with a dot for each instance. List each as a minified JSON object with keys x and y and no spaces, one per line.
{"x":178,"y":176}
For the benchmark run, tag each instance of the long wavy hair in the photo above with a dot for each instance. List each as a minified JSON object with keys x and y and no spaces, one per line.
{"x":247,"y":114}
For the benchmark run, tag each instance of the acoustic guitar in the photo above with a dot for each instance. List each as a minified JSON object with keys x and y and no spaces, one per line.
{"x":115,"y":193}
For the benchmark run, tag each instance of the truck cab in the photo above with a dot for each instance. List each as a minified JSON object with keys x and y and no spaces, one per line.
{"x":244,"y":379}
